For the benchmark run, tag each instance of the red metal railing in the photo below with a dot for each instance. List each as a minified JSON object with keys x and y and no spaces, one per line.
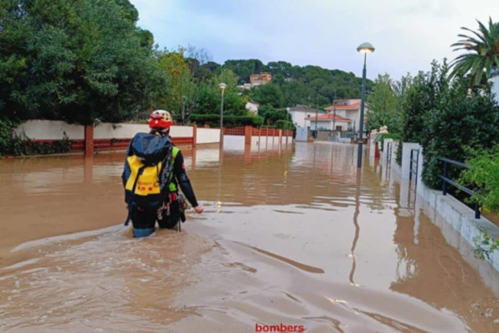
{"x":264,"y":131}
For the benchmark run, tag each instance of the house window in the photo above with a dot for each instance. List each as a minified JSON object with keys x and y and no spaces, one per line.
{"x":339,"y":128}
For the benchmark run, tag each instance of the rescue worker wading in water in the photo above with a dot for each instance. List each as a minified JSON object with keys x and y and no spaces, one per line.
{"x":154,"y":171}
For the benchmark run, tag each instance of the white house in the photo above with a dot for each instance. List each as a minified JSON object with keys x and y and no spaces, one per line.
{"x":252,"y":107}
{"x":494,"y":81}
{"x":330,"y":122}
{"x":348,"y":108}
{"x":300,"y":114}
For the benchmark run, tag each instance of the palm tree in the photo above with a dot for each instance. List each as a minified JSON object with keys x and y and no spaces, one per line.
{"x":483,"y":52}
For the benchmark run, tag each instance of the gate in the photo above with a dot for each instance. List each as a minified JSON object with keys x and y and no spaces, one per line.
{"x":414,"y":169}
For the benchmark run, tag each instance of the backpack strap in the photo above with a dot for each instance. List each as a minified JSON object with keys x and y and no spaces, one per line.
{"x":129,"y":216}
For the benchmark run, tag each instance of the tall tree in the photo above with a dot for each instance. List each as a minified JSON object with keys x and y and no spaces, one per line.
{"x":74,"y":60}
{"x":383,"y":107}
{"x":269,"y":94}
{"x":482,"y":55}
{"x":209,"y":99}
{"x":179,"y":86}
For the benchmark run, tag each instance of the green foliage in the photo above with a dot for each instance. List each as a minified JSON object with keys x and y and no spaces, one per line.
{"x":483,"y":172}
{"x":285,"y":125}
{"x":244,"y":68}
{"x":398,"y":155}
{"x":178,"y":78}
{"x":75,"y":61}
{"x":444,"y":116}
{"x":268,"y":94}
{"x":460,"y":118}
{"x":229,"y":121}
{"x":7,"y":128}
{"x":299,"y":85}
{"x":209,"y":96}
{"x":422,"y":96}
{"x":383,"y":107}
{"x":482,"y":52}
{"x":485,"y":245}
{"x":22,"y":146}
{"x":271,"y":115}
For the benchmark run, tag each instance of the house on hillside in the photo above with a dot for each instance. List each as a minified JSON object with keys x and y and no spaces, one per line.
{"x":348,"y":108}
{"x":262,"y":78}
{"x":256,"y":80}
{"x":300,"y":114}
{"x":330,"y":122}
{"x":252,"y":107}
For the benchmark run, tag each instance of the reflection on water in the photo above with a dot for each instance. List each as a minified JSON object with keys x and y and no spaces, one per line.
{"x":296,"y":236}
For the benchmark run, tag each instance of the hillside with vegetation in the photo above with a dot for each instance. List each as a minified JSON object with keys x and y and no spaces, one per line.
{"x":89,"y":61}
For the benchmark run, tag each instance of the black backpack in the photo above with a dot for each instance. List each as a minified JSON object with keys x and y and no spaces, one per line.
{"x":147,"y":170}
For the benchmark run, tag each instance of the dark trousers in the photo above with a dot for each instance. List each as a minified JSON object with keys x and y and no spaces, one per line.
{"x":146,"y":218}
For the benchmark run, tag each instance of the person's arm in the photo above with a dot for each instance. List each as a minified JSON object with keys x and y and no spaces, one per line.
{"x":184,"y":182}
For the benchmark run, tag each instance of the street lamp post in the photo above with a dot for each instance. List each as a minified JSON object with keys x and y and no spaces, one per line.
{"x":363,"y":48}
{"x":222,"y":87}
{"x":334,"y":115}
{"x":286,"y":125}
{"x":316,"y":115}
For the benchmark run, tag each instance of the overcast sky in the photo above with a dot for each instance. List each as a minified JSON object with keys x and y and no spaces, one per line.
{"x":407,"y":34}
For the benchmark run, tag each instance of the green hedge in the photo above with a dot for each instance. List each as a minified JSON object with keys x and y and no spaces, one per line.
{"x":285,"y":125}
{"x":17,"y":146}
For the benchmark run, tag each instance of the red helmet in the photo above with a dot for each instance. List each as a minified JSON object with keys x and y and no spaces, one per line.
{"x":160,"y":120}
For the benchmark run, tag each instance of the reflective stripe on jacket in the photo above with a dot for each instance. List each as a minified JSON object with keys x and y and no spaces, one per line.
{"x":173,"y":185}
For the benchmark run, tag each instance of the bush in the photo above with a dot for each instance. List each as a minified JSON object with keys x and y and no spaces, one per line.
{"x":483,"y":175}
{"x":462,"y":118}
{"x":483,"y":172}
{"x":444,"y":117}
{"x":285,"y":125}
{"x":23,"y":146}
{"x":7,"y":128}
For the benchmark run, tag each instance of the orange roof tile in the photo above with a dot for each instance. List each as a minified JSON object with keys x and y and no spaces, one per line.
{"x":352,"y":106}
{"x":331,"y":117}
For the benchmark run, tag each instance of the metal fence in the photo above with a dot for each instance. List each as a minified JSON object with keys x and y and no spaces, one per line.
{"x":414,"y":161}
{"x":447,"y":180}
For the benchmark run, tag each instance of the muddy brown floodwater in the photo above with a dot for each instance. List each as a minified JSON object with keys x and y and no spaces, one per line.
{"x":297,"y":237}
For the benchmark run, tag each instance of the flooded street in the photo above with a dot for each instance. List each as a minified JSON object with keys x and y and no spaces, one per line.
{"x":297,"y":237}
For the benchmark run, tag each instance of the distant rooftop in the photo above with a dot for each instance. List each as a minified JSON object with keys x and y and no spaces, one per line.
{"x":304,"y":108}
{"x":330,"y":117}
{"x":345,"y":104}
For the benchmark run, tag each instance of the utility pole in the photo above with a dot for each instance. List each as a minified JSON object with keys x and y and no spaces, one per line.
{"x":334,"y":113}
{"x":316,"y":114}
{"x":363,"y":48}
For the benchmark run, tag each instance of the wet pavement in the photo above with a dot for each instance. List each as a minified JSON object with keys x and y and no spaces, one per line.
{"x":293,"y":236}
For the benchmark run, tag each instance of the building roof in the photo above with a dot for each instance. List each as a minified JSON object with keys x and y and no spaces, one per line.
{"x":253,"y":102}
{"x":304,"y":108}
{"x":352,"y":106}
{"x":330,"y":117}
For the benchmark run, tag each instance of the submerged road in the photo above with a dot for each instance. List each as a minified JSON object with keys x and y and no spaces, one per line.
{"x":294,"y":237}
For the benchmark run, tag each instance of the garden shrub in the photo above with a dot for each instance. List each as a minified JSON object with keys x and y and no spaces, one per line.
{"x":446,"y":116}
{"x":14,"y":145}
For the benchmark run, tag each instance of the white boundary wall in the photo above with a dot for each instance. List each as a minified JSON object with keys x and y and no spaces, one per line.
{"x":49,"y":130}
{"x":54,"y":130}
{"x":456,"y":214}
{"x":208,"y":135}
